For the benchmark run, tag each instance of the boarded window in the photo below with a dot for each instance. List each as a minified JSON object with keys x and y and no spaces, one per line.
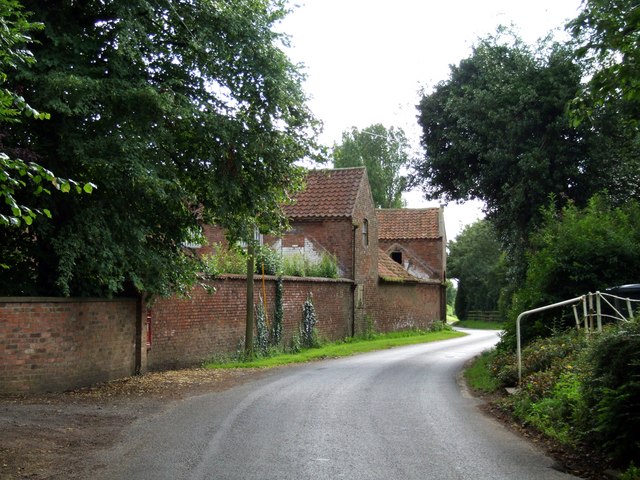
{"x":359,"y":294}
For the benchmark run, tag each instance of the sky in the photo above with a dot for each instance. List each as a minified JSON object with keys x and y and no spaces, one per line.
{"x":366,"y":61}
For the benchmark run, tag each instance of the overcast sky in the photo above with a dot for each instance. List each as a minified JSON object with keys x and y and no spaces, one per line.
{"x":367,"y":60}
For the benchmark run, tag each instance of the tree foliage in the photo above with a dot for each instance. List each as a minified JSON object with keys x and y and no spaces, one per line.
{"x":475,"y":258}
{"x":384,"y":152}
{"x":497,"y":130}
{"x":577,"y":251}
{"x":183,"y":112}
{"x":606,"y":37}
{"x":17,"y":175}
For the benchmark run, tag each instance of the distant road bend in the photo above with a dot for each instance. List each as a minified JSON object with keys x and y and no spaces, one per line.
{"x":393,"y":414}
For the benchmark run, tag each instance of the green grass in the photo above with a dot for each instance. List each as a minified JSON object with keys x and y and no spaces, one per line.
{"x":479,"y":376}
{"x":479,"y":325}
{"x":451,"y":316}
{"x":342,"y":349}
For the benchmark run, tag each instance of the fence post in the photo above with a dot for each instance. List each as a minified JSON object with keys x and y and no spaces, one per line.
{"x":599,"y":311}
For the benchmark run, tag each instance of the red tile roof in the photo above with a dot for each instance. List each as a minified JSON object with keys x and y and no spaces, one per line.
{"x":328,"y":193}
{"x":408,"y":223}
{"x":391,"y":271}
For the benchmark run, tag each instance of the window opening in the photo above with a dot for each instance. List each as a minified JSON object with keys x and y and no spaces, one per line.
{"x":397,"y":257}
{"x":365,"y":232}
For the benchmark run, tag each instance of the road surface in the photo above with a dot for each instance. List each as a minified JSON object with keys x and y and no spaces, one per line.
{"x":394,"y":414}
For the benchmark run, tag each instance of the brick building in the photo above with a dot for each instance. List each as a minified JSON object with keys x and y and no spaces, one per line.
{"x":335,"y":214}
{"x":388,"y":254}
{"x":415,"y":239}
{"x":392,"y":265}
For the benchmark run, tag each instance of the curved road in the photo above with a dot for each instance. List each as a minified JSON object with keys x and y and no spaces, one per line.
{"x":394,"y":414}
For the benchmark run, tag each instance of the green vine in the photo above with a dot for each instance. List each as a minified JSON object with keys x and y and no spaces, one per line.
{"x":309,"y":320}
{"x":262,"y":334}
{"x":278,"y":317}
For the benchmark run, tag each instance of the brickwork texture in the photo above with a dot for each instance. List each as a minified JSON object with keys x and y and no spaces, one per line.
{"x":59,"y":344}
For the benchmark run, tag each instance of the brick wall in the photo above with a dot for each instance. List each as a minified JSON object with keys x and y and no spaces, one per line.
{"x":431,"y":251}
{"x":52,"y":344}
{"x":407,"y":305}
{"x":189,"y":331}
{"x":58,"y":344}
{"x":334,"y":235}
{"x":366,"y":256}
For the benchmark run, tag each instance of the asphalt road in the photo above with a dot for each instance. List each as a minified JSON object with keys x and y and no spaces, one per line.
{"x":394,"y":414}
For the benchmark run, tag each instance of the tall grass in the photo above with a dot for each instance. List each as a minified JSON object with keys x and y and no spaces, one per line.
{"x":234,"y":260}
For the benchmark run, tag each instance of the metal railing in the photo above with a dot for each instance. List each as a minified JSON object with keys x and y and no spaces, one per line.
{"x":589,"y":314}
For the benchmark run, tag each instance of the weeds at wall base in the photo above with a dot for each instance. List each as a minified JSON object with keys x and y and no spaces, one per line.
{"x":346,"y":347}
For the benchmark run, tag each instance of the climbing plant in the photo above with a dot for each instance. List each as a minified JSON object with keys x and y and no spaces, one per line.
{"x":278,"y":317}
{"x":309,"y":320}
{"x":262,"y":333}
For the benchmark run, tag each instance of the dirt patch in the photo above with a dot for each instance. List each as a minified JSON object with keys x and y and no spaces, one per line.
{"x":49,"y":436}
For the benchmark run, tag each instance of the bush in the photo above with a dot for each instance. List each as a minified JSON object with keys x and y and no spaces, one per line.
{"x":558,"y":414}
{"x":234,"y":260}
{"x":576,"y":251}
{"x":581,"y":389}
{"x":225,"y":260}
{"x":543,"y":360}
{"x":299,"y":265}
{"x":270,"y":259}
{"x":326,"y":268}
{"x":612,"y":391}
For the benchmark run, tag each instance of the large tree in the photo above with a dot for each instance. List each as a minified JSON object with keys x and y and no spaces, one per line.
{"x":384,"y":152}
{"x":19,"y":179}
{"x":498,"y":130}
{"x":182,"y":112}
{"x":606,"y":36}
{"x":475,"y":258}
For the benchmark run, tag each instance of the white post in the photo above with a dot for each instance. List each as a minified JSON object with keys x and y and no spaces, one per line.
{"x":599,"y":311}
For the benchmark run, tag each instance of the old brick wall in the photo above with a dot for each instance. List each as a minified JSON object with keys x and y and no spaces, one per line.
{"x":366,"y":257}
{"x":334,"y":235}
{"x":407,"y":305}
{"x":431,"y":251}
{"x":54,"y":344}
{"x":189,"y":331}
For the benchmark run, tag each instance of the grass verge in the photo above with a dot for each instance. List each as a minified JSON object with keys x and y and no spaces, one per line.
{"x":479,"y":376}
{"x":342,"y":349}
{"x":479,"y":325}
{"x":451,"y":316}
